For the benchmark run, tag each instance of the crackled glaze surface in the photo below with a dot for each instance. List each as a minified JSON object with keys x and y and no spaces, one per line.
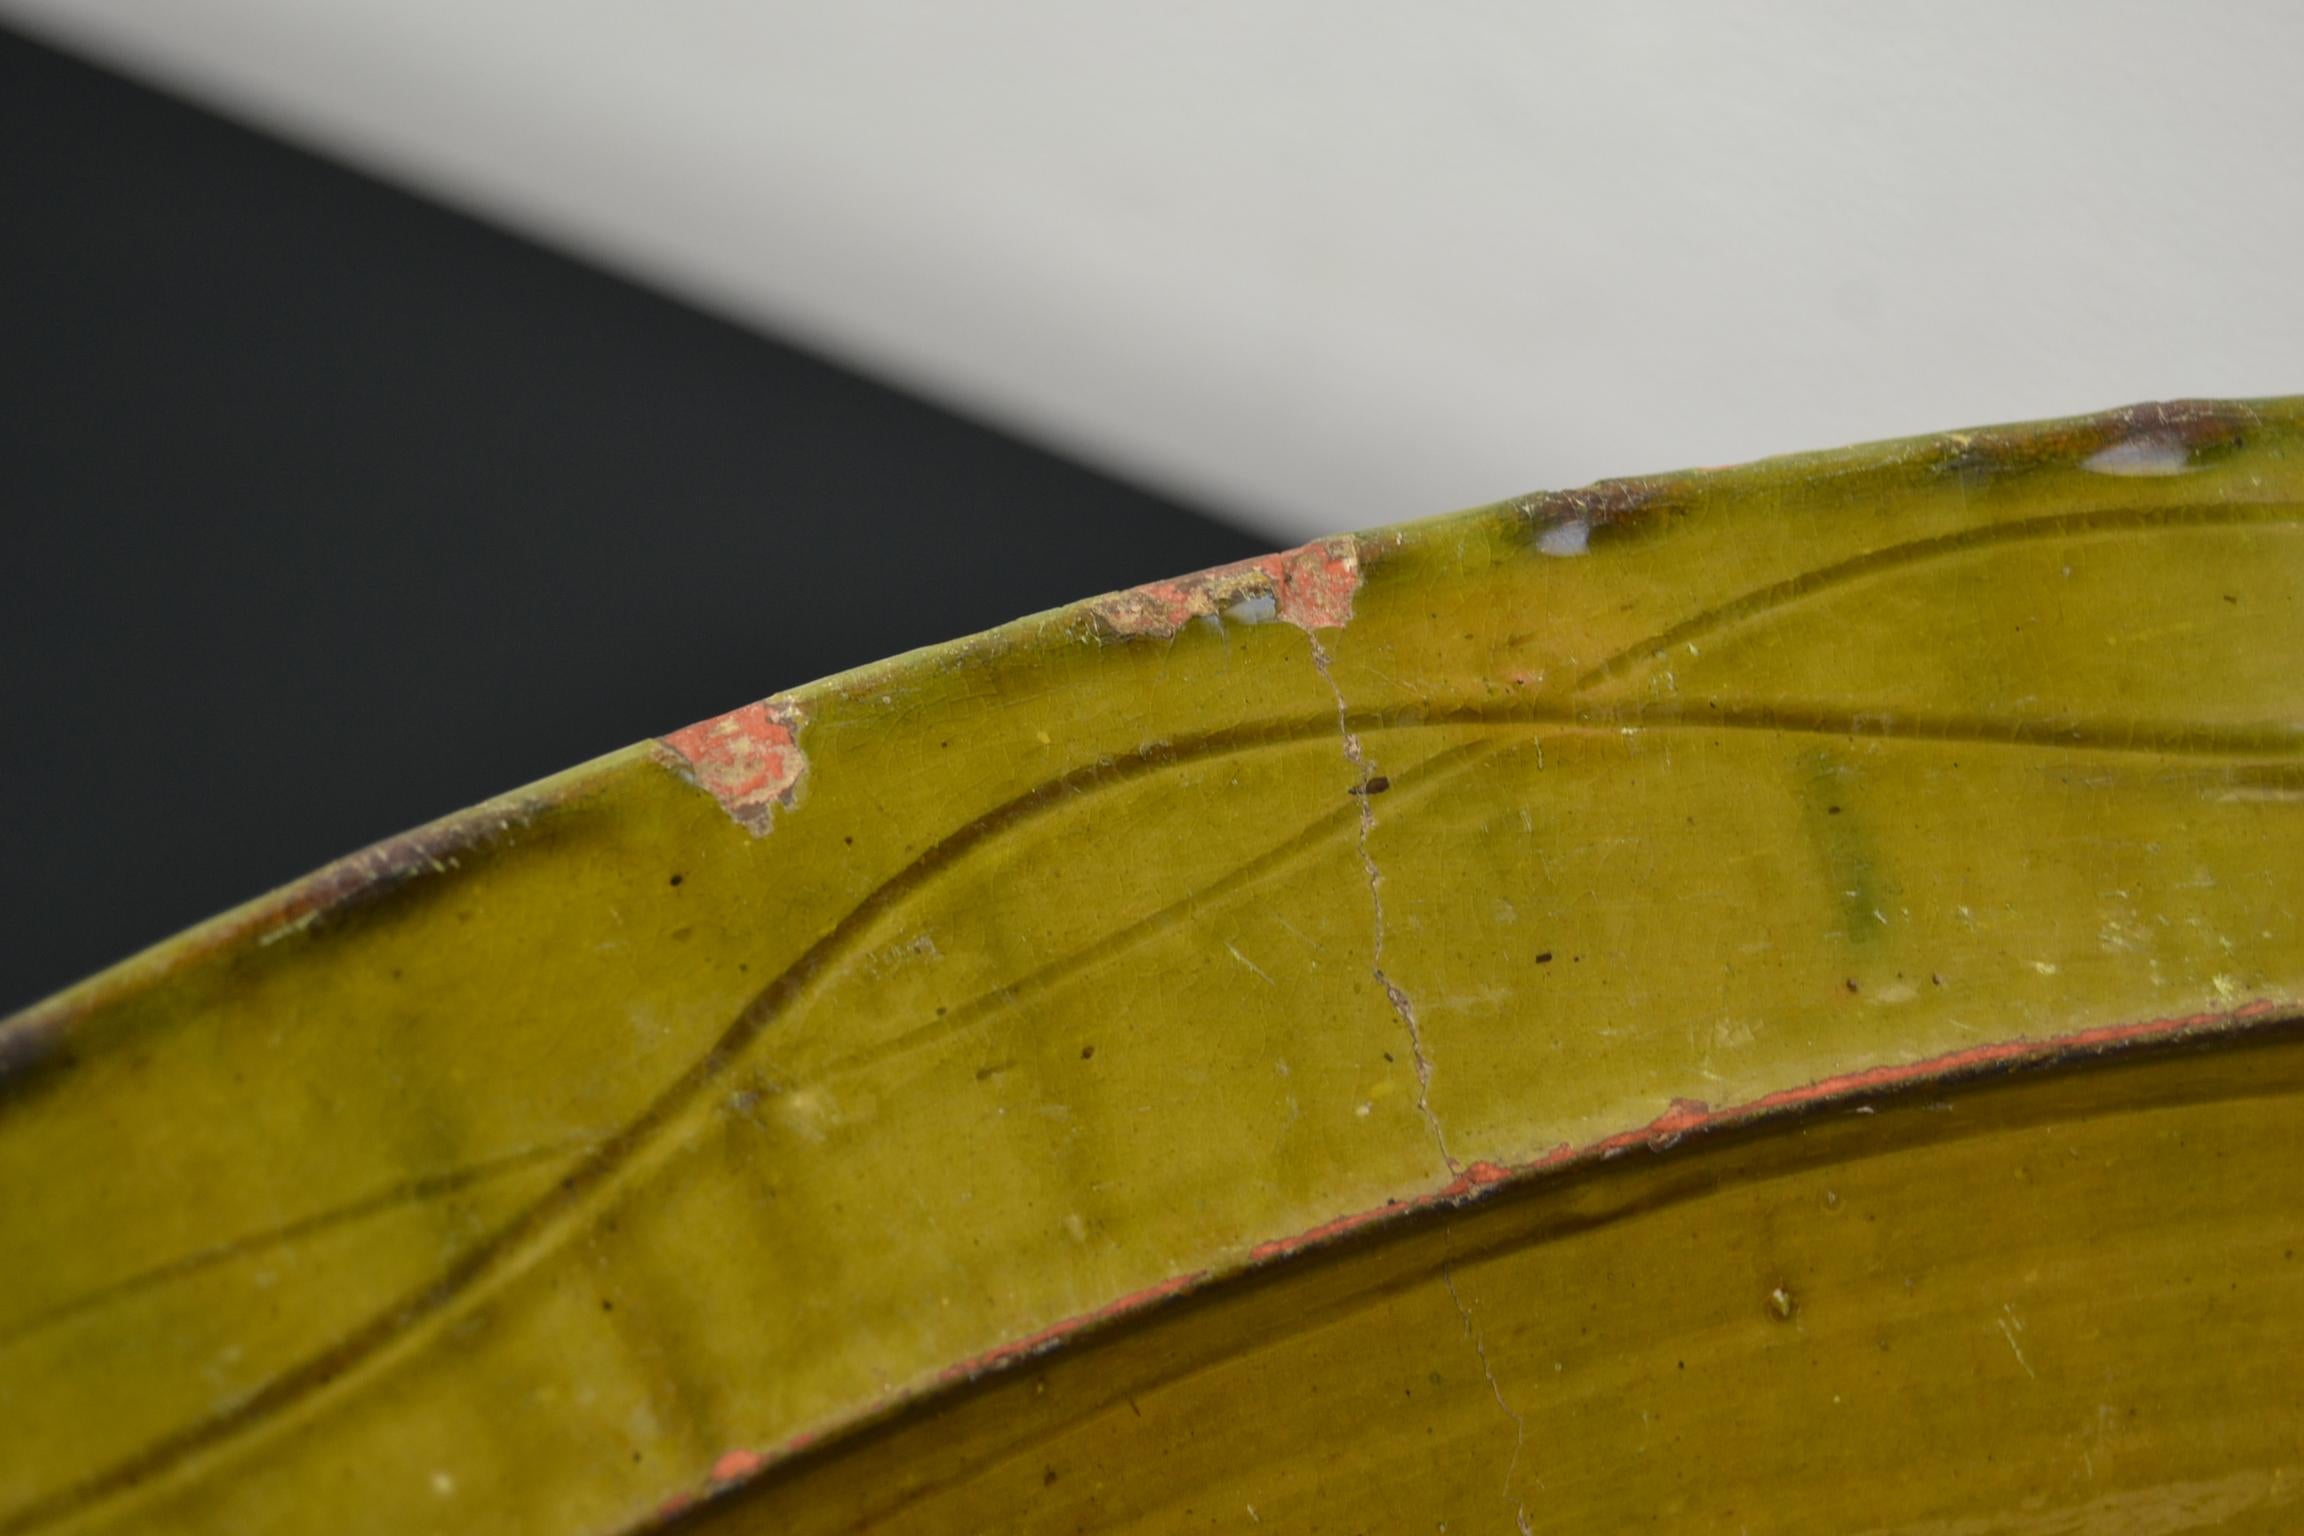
{"x":1286,"y":970}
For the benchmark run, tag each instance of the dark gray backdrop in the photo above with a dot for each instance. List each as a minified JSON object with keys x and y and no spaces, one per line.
{"x":325,"y":511}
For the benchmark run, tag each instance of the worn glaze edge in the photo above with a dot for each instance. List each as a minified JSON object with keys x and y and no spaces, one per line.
{"x":2150,"y":438}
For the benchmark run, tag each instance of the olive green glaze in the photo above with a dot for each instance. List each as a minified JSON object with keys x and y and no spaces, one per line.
{"x":1953,"y":1310}
{"x":608,"y":1144}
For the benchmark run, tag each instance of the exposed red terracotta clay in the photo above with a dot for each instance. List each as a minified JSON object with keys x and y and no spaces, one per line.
{"x":1310,"y":587}
{"x":1334,"y":1227}
{"x":748,"y":759}
{"x":1476,"y":1174}
{"x":735,"y":1465}
{"x":1056,"y":1333}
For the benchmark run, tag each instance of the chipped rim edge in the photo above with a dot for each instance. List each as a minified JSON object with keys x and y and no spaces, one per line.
{"x":750,"y":759}
{"x":343,"y":884}
{"x":2093,"y":441}
{"x":738,"y":1471}
{"x":32,"y":1034}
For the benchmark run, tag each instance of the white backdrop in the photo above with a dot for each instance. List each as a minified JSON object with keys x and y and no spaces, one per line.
{"x":1328,"y":264}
